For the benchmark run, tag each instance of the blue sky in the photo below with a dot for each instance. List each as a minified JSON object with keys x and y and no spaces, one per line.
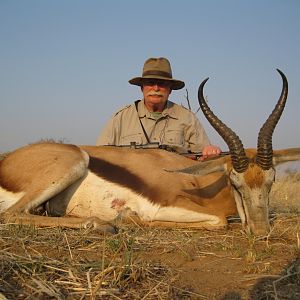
{"x":65,"y":65}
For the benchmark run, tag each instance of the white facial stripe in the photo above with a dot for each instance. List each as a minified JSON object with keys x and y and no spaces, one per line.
{"x":258,"y":198}
{"x":240,"y":207}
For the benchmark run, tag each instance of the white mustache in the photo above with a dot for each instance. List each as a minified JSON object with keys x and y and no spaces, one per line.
{"x":155,"y":94}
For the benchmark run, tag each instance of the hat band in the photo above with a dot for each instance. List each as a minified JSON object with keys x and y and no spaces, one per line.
{"x":158,"y":73}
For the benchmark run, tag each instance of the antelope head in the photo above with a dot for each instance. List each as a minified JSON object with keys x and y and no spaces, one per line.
{"x":251,"y":176}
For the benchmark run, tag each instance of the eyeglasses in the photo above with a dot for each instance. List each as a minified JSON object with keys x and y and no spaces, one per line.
{"x":158,"y":82}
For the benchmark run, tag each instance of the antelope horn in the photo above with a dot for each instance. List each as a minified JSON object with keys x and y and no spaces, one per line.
{"x":264,"y":156}
{"x":239,"y":159}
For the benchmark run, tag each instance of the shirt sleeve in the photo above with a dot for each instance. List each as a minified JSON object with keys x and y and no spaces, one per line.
{"x":108,"y":134}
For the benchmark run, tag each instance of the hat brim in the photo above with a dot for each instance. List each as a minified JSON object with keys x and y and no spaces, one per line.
{"x":176,"y":84}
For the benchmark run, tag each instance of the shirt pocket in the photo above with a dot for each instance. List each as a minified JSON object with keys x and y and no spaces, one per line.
{"x":174,"y":137}
{"x":127,"y":139}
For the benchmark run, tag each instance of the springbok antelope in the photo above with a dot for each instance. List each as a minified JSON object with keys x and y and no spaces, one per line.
{"x":52,"y":184}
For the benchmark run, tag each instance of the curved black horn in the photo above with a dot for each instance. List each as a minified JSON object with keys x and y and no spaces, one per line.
{"x":239,"y":159}
{"x":264,"y":156}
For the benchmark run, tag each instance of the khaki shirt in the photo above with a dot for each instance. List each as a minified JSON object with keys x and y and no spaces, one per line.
{"x":177,"y":127}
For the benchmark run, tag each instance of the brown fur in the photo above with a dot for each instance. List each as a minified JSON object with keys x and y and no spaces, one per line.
{"x":54,"y":168}
{"x":33,"y":169}
{"x":148,"y":177}
{"x":34,"y":162}
{"x":254,"y":176}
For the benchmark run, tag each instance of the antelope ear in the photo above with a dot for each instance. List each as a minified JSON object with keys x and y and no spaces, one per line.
{"x":285,"y":155}
{"x":204,"y":168}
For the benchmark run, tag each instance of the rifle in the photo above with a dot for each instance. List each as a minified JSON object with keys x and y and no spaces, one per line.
{"x":176,"y":149}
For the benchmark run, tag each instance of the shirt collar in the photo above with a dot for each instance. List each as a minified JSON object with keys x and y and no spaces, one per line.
{"x":169,"y":110}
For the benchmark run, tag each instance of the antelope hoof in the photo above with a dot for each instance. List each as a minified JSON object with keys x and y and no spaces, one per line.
{"x":95,"y":223}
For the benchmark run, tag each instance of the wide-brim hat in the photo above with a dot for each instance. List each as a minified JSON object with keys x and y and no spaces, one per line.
{"x":158,"y":68}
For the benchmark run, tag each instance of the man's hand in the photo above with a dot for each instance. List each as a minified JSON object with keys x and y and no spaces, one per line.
{"x":210,"y":151}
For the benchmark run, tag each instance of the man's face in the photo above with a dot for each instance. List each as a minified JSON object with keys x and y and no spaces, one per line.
{"x":156,"y":92}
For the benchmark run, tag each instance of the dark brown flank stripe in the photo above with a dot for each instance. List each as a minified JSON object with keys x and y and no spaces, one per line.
{"x":122,"y":176}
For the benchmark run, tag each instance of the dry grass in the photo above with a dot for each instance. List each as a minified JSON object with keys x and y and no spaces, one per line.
{"x":149,"y":263}
{"x":72,"y":264}
{"x":3,"y":155}
{"x":285,"y":195}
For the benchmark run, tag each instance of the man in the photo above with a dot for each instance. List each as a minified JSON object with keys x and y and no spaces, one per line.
{"x":155,"y":119}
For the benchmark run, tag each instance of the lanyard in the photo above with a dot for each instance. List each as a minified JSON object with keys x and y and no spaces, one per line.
{"x":144,"y":131}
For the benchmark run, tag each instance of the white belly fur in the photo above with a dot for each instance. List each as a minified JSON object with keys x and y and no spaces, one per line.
{"x":105,"y":200}
{"x":7,"y":199}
